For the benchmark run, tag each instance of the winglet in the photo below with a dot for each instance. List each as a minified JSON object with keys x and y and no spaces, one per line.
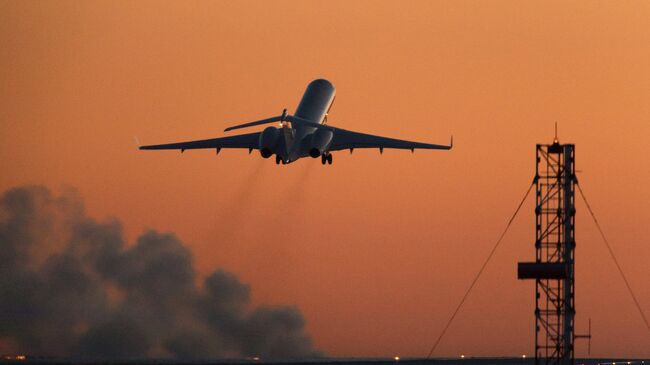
{"x":451,"y":144}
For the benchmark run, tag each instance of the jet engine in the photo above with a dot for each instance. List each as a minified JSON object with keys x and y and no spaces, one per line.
{"x":320,"y":142}
{"x":269,"y":141}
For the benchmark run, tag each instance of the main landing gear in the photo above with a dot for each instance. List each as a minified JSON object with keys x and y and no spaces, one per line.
{"x":279,"y":160}
{"x":326,"y":158}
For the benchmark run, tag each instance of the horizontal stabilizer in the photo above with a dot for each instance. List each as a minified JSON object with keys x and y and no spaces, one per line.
{"x":257,"y":122}
{"x":299,"y":121}
{"x":280,"y":118}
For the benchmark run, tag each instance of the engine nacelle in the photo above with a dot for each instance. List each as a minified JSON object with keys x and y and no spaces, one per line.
{"x":269,"y":141}
{"x":320,"y":142}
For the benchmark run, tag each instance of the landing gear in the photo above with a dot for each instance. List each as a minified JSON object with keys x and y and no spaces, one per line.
{"x":326,"y":158}
{"x":278,"y":159}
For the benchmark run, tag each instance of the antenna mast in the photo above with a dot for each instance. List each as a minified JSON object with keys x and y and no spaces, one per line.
{"x":553,"y":269}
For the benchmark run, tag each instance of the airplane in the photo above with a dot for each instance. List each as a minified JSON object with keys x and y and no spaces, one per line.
{"x":305,"y":133}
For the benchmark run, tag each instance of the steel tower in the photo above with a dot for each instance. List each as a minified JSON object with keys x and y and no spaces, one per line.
{"x":553,"y":269}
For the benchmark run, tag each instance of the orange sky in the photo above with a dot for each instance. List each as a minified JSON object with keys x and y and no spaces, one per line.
{"x":376,"y":251}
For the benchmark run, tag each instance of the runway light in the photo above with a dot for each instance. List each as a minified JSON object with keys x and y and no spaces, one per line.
{"x":20,"y":357}
{"x":396,"y":358}
{"x":462,"y":356}
{"x":523,"y":356}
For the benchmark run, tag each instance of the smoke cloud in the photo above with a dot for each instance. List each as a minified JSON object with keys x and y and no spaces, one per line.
{"x":70,"y":286}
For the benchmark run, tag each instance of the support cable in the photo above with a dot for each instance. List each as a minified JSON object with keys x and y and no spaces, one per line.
{"x":611,"y":253}
{"x":496,"y":245}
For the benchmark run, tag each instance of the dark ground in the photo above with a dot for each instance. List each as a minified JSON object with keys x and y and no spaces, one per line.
{"x":438,"y":361}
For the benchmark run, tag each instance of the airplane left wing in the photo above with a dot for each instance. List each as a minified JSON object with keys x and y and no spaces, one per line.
{"x":250,"y":141}
{"x":344,"y":139}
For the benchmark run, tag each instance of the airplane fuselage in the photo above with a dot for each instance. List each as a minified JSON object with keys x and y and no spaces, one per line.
{"x":298,"y":141}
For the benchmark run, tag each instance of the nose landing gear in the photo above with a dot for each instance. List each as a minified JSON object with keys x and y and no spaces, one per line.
{"x":326,"y":158}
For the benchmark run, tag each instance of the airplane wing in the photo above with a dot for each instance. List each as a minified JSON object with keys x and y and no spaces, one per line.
{"x":250,"y":141}
{"x":344,"y":139}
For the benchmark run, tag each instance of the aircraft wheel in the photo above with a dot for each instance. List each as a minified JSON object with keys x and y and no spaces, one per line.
{"x":329,"y":159}
{"x":277,"y":160}
{"x":323,"y":159}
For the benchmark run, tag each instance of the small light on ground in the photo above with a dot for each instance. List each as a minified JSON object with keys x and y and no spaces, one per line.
{"x":523,"y":356}
{"x":396,"y":358}
{"x":462,"y":356}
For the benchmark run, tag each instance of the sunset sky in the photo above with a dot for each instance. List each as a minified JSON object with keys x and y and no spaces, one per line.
{"x":375,"y":250}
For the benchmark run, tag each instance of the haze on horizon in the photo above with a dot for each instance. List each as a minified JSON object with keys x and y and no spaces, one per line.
{"x":375,"y":251}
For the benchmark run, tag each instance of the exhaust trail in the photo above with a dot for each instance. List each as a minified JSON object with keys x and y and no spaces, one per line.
{"x":297,"y":190}
{"x":289,"y":212}
{"x":230,"y":215}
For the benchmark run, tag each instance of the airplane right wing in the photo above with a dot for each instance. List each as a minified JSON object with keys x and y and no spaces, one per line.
{"x":250,"y":141}
{"x":344,"y":139}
